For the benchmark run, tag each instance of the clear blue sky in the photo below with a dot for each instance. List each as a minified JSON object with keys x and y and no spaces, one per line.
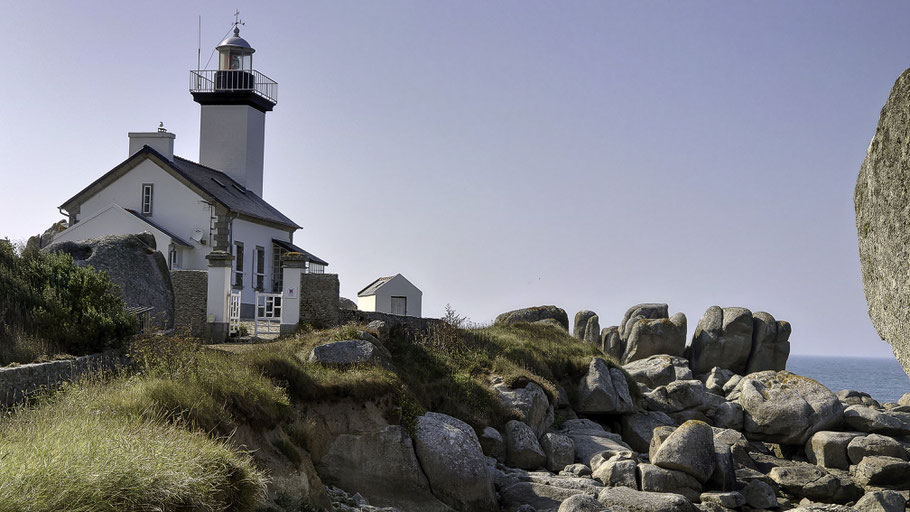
{"x":503,"y":154}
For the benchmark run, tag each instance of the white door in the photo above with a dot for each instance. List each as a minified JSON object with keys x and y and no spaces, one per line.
{"x":399,"y":305}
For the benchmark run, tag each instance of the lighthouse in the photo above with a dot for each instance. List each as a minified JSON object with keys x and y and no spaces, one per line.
{"x":234,"y":100}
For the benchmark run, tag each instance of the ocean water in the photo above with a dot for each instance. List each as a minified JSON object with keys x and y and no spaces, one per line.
{"x":882,"y":378}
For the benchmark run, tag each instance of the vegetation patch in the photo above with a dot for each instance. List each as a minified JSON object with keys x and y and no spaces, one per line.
{"x":49,"y":305}
{"x":72,"y":454}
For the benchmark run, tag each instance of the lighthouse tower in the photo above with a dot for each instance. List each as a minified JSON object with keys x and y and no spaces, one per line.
{"x":234,"y":100}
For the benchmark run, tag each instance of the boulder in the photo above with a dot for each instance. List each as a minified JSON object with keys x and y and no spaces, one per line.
{"x":759,"y":495}
{"x":591,"y":443}
{"x":658,"y":436}
{"x":904,"y":400}
{"x":881,"y":501}
{"x":451,"y":458}
{"x":538,"y":496}
{"x":638,"y":428}
{"x":587,"y":327}
{"x":723,"y":337}
{"x":382,"y":466}
{"x":581,"y":503}
{"x":344,"y":303}
{"x":575,"y":470}
{"x":617,"y":470}
{"x":716,"y":378}
{"x":624,"y":498}
{"x":875,"y":445}
{"x":41,"y":241}
{"x":883,"y":222}
{"x":657,"y":479}
{"x":345,"y":353}
{"x":639,"y":311}
{"x":604,"y":390}
{"x":829,"y":449}
{"x":530,"y":402}
{"x":785,"y":408}
{"x":682,"y":395}
{"x":534,"y":314}
{"x":658,"y":370}
{"x":492,"y":444}
{"x":888,"y":472}
{"x":770,"y":344}
{"x":730,"y":499}
{"x":652,"y":336}
{"x":850,"y":397}
{"x":133,"y":263}
{"x":610,"y":342}
{"x":727,"y":415}
{"x":522,"y":448}
{"x":381,"y":329}
{"x":867,"y":419}
{"x":559,"y":449}
{"x":814,"y":483}
{"x":690,"y":449}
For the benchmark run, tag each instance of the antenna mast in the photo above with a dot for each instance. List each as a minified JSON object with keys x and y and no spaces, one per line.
{"x":199,"y":46}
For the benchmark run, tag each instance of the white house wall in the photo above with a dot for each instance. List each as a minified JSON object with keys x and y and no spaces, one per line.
{"x":112,"y":221}
{"x":367,"y":303}
{"x":174,"y":207}
{"x":252,"y":235}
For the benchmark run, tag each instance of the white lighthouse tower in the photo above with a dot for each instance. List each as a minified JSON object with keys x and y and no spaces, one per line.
{"x":234,"y":100}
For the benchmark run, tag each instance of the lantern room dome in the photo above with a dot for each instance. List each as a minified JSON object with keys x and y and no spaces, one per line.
{"x":235,"y":41}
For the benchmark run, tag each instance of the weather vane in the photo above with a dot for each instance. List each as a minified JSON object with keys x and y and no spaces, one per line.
{"x":237,"y":20}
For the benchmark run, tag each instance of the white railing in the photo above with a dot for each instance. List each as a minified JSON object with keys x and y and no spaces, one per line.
{"x":236,"y":80}
{"x":268,"y":314}
{"x":234,"y":314}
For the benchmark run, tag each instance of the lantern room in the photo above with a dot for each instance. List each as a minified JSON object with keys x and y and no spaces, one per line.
{"x":235,"y":54}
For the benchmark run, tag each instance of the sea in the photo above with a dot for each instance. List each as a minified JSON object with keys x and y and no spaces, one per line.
{"x":883,"y":378}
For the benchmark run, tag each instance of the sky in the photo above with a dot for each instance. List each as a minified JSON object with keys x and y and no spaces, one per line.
{"x":591,"y":155}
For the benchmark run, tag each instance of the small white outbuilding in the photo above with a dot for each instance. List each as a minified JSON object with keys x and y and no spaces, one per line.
{"x":393,"y":294}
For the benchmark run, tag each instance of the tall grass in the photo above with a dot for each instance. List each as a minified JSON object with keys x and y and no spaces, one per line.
{"x":75,"y":454}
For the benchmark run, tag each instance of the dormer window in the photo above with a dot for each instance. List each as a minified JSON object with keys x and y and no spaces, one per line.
{"x":147,"y":193}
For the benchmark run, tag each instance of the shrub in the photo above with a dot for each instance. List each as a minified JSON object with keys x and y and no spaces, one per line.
{"x":47,"y":296}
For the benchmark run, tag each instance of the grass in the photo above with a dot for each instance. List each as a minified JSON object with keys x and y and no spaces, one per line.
{"x":156,"y":437}
{"x":77,"y":453}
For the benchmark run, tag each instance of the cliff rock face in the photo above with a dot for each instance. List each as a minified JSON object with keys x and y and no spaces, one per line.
{"x":883,"y":222}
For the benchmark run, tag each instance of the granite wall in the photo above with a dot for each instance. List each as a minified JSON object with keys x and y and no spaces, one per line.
{"x":190,"y":291}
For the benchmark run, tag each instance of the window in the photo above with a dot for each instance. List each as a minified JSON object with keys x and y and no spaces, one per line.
{"x":277,"y":269}
{"x":315,"y":268}
{"x":238,"y":264}
{"x":147,"y":198}
{"x":172,"y":258}
{"x":260,"y":268}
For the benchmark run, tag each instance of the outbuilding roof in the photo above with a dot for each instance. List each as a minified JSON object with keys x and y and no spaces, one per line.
{"x":373,"y":287}
{"x":212,"y":184}
{"x":176,"y":239}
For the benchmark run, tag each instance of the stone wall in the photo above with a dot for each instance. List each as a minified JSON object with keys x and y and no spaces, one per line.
{"x":319,"y":299}
{"x":411,"y":323}
{"x":19,"y":382}
{"x":190,"y":289}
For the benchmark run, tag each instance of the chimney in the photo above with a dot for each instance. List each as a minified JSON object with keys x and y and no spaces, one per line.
{"x":161,"y":141}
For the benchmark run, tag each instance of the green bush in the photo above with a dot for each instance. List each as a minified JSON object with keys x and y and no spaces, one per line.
{"x":72,"y":308}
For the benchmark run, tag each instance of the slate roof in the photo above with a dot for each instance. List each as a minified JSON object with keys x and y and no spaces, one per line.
{"x":218,"y":186}
{"x":230,"y":193}
{"x":312,"y":258}
{"x":374,"y":286}
{"x":157,"y":226}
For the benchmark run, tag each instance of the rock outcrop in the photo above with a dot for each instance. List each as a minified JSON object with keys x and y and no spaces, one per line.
{"x":722,"y":338}
{"x":883,"y":222}
{"x":450,"y":455}
{"x":534,"y":314}
{"x":604,"y":390}
{"x":134,"y":264}
{"x":785,"y":408}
